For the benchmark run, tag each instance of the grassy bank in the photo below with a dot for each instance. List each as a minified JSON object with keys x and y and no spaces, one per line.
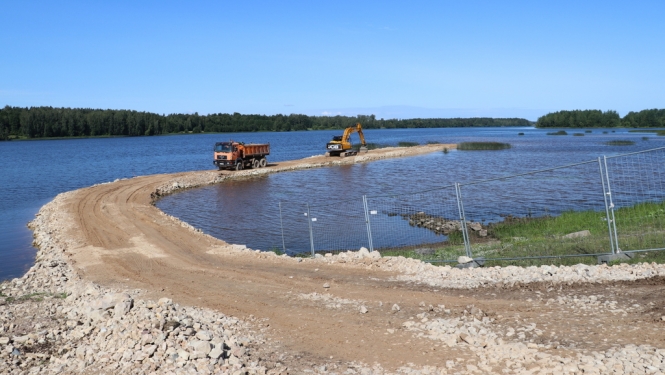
{"x":569,"y":238}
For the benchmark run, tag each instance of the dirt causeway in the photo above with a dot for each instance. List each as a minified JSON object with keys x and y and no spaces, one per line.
{"x":325,"y":315}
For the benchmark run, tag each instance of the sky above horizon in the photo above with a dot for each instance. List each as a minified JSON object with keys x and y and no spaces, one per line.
{"x":424,"y":59}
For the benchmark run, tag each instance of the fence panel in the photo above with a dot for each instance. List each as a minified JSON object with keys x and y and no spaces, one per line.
{"x":294,"y":228}
{"x":423,"y":225}
{"x":584,"y":209}
{"x":554,"y":213}
{"x":339,"y":226}
{"x":637,"y":183}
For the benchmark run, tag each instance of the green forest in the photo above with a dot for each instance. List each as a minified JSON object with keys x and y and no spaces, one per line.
{"x":49,"y":122}
{"x":648,"y":118}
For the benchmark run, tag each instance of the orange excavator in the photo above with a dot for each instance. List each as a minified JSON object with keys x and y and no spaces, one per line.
{"x":341,"y":145}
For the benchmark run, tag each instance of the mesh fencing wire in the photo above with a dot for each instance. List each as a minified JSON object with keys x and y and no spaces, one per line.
{"x":339,"y":226}
{"x":422,"y":225}
{"x":294,"y":228}
{"x":637,"y":186}
{"x":508,"y":220}
{"x":585,"y":209}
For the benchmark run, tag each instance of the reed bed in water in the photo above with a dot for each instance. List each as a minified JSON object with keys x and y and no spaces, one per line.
{"x":474,"y":146}
{"x":620,"y":143}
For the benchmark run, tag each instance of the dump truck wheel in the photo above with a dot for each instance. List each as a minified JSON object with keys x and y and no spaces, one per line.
{"x":239,"y":165}
{"x":255,"y":163}
{"x":263,"y":162}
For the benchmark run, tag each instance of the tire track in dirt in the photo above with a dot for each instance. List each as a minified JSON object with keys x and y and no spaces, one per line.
{"x":98,"y":235}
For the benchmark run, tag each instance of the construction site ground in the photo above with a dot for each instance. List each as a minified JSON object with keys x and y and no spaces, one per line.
{"x":121,"y":240}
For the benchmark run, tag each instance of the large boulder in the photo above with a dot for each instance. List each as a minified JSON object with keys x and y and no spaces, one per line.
{"x":363,"y":252}
{"x":464,"y":260}
{"x":110,"y":300}
{"x":201,"y":346}
{"x":122,"y":308}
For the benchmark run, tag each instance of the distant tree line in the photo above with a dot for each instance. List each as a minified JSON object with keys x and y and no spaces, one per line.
{"x":648,"y":118}
{"x":44,"y":122}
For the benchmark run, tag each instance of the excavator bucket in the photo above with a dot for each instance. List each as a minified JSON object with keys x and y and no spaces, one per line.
{"x":363,"y":149}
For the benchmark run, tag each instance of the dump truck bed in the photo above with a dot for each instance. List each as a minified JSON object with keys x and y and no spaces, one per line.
{"x":253,"y":150}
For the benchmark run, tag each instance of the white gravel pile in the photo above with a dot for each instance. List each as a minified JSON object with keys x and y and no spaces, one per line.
{"x":495,"y":347}
{"x":518,"y":358}
{"x":54,"y":322}
{"x":450,"y":277}
{"x":417,"y":271}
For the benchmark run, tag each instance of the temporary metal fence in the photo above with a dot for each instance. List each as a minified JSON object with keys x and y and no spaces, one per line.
{"x":611,"y":205}
{"x":637,"y":185}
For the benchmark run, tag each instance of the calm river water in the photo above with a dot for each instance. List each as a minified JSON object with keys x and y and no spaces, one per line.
{"x":33,"y":172}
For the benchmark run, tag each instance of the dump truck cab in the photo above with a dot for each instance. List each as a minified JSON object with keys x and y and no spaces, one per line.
{"x":226,"y":154}
{"x":238,"y":155}
{"x":226,"y":150}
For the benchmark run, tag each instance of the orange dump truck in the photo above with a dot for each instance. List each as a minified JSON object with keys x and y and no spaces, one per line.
{"x":237,"y":155}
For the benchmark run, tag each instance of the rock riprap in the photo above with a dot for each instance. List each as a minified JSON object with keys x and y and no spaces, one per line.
{"x":443,"y":226}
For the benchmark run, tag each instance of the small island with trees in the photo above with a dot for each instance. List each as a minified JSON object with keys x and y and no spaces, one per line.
{"x":648,"y":118}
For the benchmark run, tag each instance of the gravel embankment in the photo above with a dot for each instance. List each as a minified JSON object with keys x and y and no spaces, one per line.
{"x":413,"y":270}
{"x":54,"y":322}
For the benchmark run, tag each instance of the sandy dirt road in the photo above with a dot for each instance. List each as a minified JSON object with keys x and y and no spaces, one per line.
{"x":122,"y":240}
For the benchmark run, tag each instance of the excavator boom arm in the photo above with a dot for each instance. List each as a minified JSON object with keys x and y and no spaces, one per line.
{"x":362,"y":136}
{"x":352,"y":129}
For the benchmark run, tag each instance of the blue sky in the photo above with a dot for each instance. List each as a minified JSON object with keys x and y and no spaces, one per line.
{"x":388,"y":58}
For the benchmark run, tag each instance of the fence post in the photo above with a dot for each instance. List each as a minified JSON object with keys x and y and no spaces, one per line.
{"x":369,"y":228}
{"x":607,"y":206}
{"x":460,"y":207}
{"x":311,"y":234}
{"x":281,"y":224}
{"x":617,"y":249}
